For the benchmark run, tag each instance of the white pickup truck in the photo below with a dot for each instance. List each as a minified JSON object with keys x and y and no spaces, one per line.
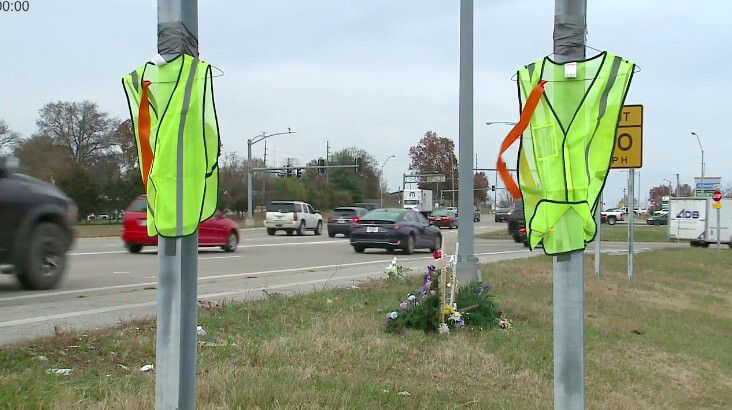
{"x":613,"y":215}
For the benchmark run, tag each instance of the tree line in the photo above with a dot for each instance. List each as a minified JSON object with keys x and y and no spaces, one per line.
{"x":92,"y":157}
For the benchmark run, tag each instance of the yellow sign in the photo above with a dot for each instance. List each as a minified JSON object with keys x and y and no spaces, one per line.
{"x":717,"y":205}
{"x":628,"y":150}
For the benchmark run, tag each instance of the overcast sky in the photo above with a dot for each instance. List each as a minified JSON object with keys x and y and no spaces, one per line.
{"x":377,"y":74}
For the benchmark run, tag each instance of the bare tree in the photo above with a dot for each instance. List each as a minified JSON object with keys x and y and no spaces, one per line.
{"x":79,"y":127}
{"x":8,"y":137}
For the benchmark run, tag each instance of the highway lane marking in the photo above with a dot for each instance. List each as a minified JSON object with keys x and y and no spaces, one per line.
{"x":264,"y":245}
{"x":231,"y":275}
{"x":147,"y":304}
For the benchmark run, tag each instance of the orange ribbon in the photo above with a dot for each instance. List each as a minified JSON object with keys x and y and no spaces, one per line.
{"x":143,"y":131}
{"x":514,"y":134}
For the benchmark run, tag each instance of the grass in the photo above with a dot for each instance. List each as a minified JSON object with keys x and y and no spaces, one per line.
{"x":612,"y":233}
{"x":661,"y":341}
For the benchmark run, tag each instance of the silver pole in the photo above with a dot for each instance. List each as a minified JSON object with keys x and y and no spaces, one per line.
{"x":467,"y":267}
{"x":250,"y":202}
{"x":570,"y":24}
{"x":719,"y":230}
{"x":175,"y":350}
{"x":631,"y":220}
{"x":598,"y":236}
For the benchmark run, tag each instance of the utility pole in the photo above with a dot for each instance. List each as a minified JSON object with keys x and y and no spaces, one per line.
{"x":175,"y":347}
{"x":467,"y":268}
{"x":677,"y":186}
{"x":570,"y":27}
{"x":327,"y":159}
{"x":702,"y":154}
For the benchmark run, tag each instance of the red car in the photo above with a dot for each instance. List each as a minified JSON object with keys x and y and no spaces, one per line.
{"x":216,"y":231}
{"x":444,"y":218}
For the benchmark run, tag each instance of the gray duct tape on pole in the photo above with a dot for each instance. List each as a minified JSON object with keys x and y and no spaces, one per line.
{"x":174,"y":38}
{"x":570,"y":33}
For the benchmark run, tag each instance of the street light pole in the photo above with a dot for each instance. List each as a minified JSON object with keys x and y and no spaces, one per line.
{"x":381,"y":180}
{"x":570,"y":27}
{"x":702,"y":154}
{"x":467,"y":267}
{"x":175,"y":344}
{"x":251,"y":141}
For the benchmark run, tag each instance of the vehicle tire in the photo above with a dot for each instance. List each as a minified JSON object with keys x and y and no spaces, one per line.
{"x":319,"y":228}
{"x":517,"y":238}
{"x":289,"y":231}
{"x":390,"y":249}
{"x":611,"y":220}
{"x":133,"y":247}
{"x":45,"y":259}
{"x":232,"y":242}
{"x":301,"y":229}
{"x":657,"y":223}
{"x":526,"y":244}
{"x":271,"y":231}
{"x":358,"y":248}
{"x":704,"y":244}
{"x":408,"y":247}
{"x":331,"y":234}
{"x":496,"y":219}
{"x":438,"y":244}
{"x":694,"y":244}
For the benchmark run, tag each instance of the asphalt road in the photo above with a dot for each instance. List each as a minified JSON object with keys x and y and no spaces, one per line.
{"x":105,"y":284}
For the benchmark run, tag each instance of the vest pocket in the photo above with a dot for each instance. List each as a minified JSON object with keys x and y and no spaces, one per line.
{"x":545,"y":146}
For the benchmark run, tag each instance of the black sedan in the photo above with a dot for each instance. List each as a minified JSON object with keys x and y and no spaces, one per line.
{"x":393,"y":229}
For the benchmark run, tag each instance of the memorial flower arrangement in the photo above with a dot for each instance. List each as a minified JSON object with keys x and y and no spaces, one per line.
{"x":395,"y":271}
{"x":441,"y":306}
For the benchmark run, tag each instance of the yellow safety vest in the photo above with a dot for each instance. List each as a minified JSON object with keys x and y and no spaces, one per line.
{"x":565,"y":153}
{"x":176,"y":129}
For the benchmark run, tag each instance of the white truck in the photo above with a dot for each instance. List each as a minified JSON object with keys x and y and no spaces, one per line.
{"x":695,"y":220}
{"x":418,"y":199}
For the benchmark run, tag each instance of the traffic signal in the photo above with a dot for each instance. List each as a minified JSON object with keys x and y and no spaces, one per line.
{"x":359,"y":165}
{"x":288,"y":171}
{"x":493,"y":187}
{"x":299,"y":172}
{"x":321,"y":166}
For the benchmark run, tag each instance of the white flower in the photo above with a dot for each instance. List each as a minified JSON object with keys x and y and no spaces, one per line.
{"x":455,"y":316}
{"x":443,"y":329}
{"x":412,"y":298}
{"x":393,"y":315}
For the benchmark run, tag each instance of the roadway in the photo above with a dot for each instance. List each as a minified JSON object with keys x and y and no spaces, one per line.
{"x":105,"y":284}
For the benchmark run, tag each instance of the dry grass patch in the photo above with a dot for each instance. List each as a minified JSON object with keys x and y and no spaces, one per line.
{"x":661,"y":341}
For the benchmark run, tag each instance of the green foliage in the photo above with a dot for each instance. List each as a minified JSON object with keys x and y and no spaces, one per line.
{"x":290,"y":189}
{"x":479,"y":305}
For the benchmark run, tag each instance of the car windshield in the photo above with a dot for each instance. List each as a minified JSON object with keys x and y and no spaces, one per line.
{"x":386,"y":216}
{"x":284,"y":208}
{"x":138,"y":205}
{"x":344,"y":212}
{"x":411,"y":202}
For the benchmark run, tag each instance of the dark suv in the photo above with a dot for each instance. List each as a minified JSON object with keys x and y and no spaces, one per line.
{"x":517,"y":225}
{"x":36,"y":229}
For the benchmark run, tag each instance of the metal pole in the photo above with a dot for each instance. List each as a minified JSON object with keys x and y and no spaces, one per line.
{"x":570,"y":23}
{"x":639,"y":190}
{"x":452,"y":166}
{"x":175,"y":350}
{"x":719,"y":229}
{"x":598,"y":235}
{"x":467,"y":268}
{"x":631,"y":221}
{"x":250,"y":190}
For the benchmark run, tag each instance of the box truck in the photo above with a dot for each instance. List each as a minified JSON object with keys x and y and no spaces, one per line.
{"x":695,"y":220}
{"x":418,"y":199}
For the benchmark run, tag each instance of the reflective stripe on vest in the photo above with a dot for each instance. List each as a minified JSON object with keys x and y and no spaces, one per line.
{"x":566,"y":146}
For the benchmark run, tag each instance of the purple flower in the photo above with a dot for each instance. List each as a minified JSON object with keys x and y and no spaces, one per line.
{"x":460,"y":322}
{"x":404,"y":306}
{"x":433,"y":292}
{"x":431,"y":268}
{"x":485,"y":287}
